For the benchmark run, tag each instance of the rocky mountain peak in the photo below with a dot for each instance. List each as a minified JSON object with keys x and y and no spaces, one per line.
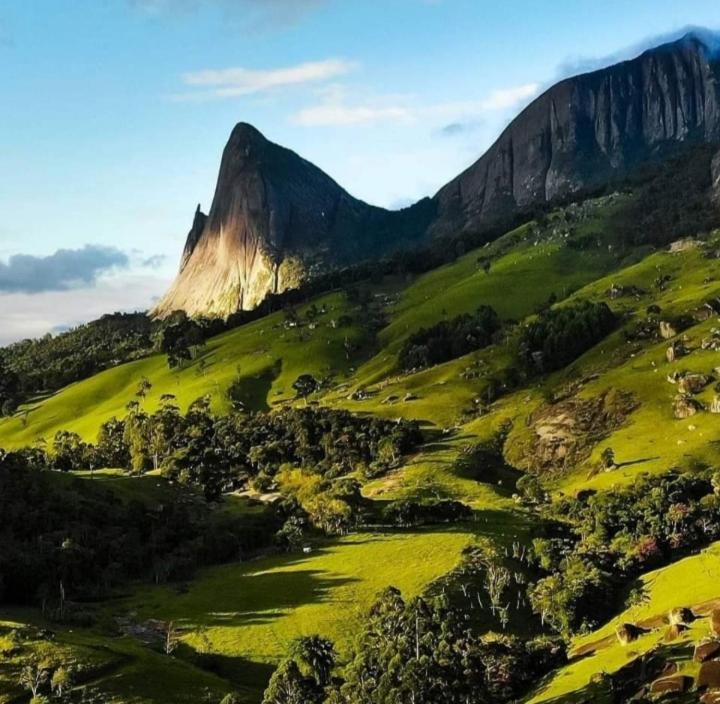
{"x":275,"y":217}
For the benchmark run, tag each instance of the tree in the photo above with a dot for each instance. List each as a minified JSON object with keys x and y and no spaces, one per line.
{"x":318,"y":654}
{"x":288,"y":686}
{"x":69,"y":452}
{"x":61,"y":680}
{"x":34,"y":676}
{"x":231,"y":698}
{"x":143,"y":388}
{"x":112,"y":450}
{"x":172,"y":639}
{"x":607,"y":458}
{"x":497,"y":579}
{"x":9,"y":383}
{"x":305,"y":385}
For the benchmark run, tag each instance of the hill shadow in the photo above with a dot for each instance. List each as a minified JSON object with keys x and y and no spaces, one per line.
{"x":232,"y":597}
{"x":253,"y":391}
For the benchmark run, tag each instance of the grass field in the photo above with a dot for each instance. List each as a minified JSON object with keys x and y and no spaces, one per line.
{"x":248,"y":614}
{"x":269,"y":357}
{"x":685,"y":583}
{"x":266,"y":355}
{"x":115,"y":670}
{"x":244,"y":616}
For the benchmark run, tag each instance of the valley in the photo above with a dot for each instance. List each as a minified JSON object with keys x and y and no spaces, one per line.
{"x":463,"y":451}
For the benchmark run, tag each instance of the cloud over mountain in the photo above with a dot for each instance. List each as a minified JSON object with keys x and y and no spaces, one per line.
{"x":65,"y":269}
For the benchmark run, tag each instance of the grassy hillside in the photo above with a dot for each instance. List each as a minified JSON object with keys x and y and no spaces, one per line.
{"x":237,"y":620}
{"x":247,"y":615}
{"x":527,"y":268}
{"x":691,"y":582}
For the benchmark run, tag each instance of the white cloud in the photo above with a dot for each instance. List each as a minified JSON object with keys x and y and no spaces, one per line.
{"x":575,"y":65}
{"x":255,"y":14}
{"x":343,"y":115}
{"x":238,"y":81}
{"x":335,"y":110}
{"x":32,"y":315}
{"x":508,"y":97}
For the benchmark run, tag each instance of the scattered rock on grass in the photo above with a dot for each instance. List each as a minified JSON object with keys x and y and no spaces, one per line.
{"x":709,"y":675}
{"x":706,"y":651}
{"x":680,"y":615}
{"x":673,"y":684}
{"x":715,"y":622}
{"x":627,"y":633}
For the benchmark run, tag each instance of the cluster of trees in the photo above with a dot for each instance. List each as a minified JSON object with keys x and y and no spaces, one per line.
{"x":672,"y":200}
{"x":178,"y":336}
{"x":449,"y":339}
{"x":560,"y":335}
{"x":62,"y":537}
{"x":609,"y":538}
{"x":316,"y":447}
{"x":54,"y":361}
{"x":9,"y":390}
{"x":51,"y":362}
{"x":406,"y":513}
{"x":419,"y":651}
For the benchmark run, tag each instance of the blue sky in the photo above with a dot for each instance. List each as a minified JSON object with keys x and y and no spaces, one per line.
{"x":115,"y":112}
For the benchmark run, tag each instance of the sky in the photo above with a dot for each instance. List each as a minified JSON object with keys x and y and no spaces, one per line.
{"x":114,"y":114}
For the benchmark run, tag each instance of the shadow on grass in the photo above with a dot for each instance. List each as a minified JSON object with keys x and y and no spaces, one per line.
{"x":630,"y":463}
{"x":232,"y":596}
{"x":253,"y":391}
{"x":243,"y":673}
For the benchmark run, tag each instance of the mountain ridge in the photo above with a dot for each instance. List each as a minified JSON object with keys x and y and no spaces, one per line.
{"x":276,"y":218}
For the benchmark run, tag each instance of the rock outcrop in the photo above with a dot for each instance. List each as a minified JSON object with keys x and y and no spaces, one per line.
{"x":590,"y":129}
{"x":273,"y":217}
{"x":276,"y":218}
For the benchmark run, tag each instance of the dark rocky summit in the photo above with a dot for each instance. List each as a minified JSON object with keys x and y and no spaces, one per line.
{"x":275,"y":217}
{"x":587,"y":130}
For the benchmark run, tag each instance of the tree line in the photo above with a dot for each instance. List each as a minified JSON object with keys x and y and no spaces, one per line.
{"x":604,"y":540}
{"x":418,"y":651}
{"x":63,"y":537}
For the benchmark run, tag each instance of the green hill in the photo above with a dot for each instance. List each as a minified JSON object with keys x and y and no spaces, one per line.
{"x":489,"y":418}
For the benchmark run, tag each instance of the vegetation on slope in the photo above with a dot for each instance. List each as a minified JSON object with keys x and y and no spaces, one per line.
{"x":510,"y":450}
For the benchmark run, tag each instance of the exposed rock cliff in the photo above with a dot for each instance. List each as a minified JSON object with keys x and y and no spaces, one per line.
{"x":275,"y":215}
{"x":589,"y":129}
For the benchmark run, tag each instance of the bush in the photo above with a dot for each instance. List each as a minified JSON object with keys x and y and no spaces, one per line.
{"x":561,"y":335}
{"x":449,"y":339}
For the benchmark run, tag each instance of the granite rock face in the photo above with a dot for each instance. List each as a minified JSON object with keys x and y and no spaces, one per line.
{"x":273,"y":216}
{"x":587,"y":130}
{"x":276,"y":218}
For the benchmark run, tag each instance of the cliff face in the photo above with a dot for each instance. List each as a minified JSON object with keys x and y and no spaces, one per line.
{"x":586,"y":130}
{"x":275,"y":216}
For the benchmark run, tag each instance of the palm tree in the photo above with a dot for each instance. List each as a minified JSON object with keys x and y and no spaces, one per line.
{"x":318,"y":654}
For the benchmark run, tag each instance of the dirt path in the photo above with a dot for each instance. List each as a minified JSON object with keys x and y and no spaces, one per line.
{"x":704,"y":608}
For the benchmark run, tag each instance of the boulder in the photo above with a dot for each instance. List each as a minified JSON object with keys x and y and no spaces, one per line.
{"x":693,"y":383}
{"x":680,"y":615}
{"x":706,"y":651}
{"x":667,"y":330}
{"x":712,"y":342}
{"x":703,"y":313}
{"x":709,"y":675}
{"x":715,"y":622}
{"x":685,"y":406}
{"x":672,"y":684}
{"x":627,"y":633}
